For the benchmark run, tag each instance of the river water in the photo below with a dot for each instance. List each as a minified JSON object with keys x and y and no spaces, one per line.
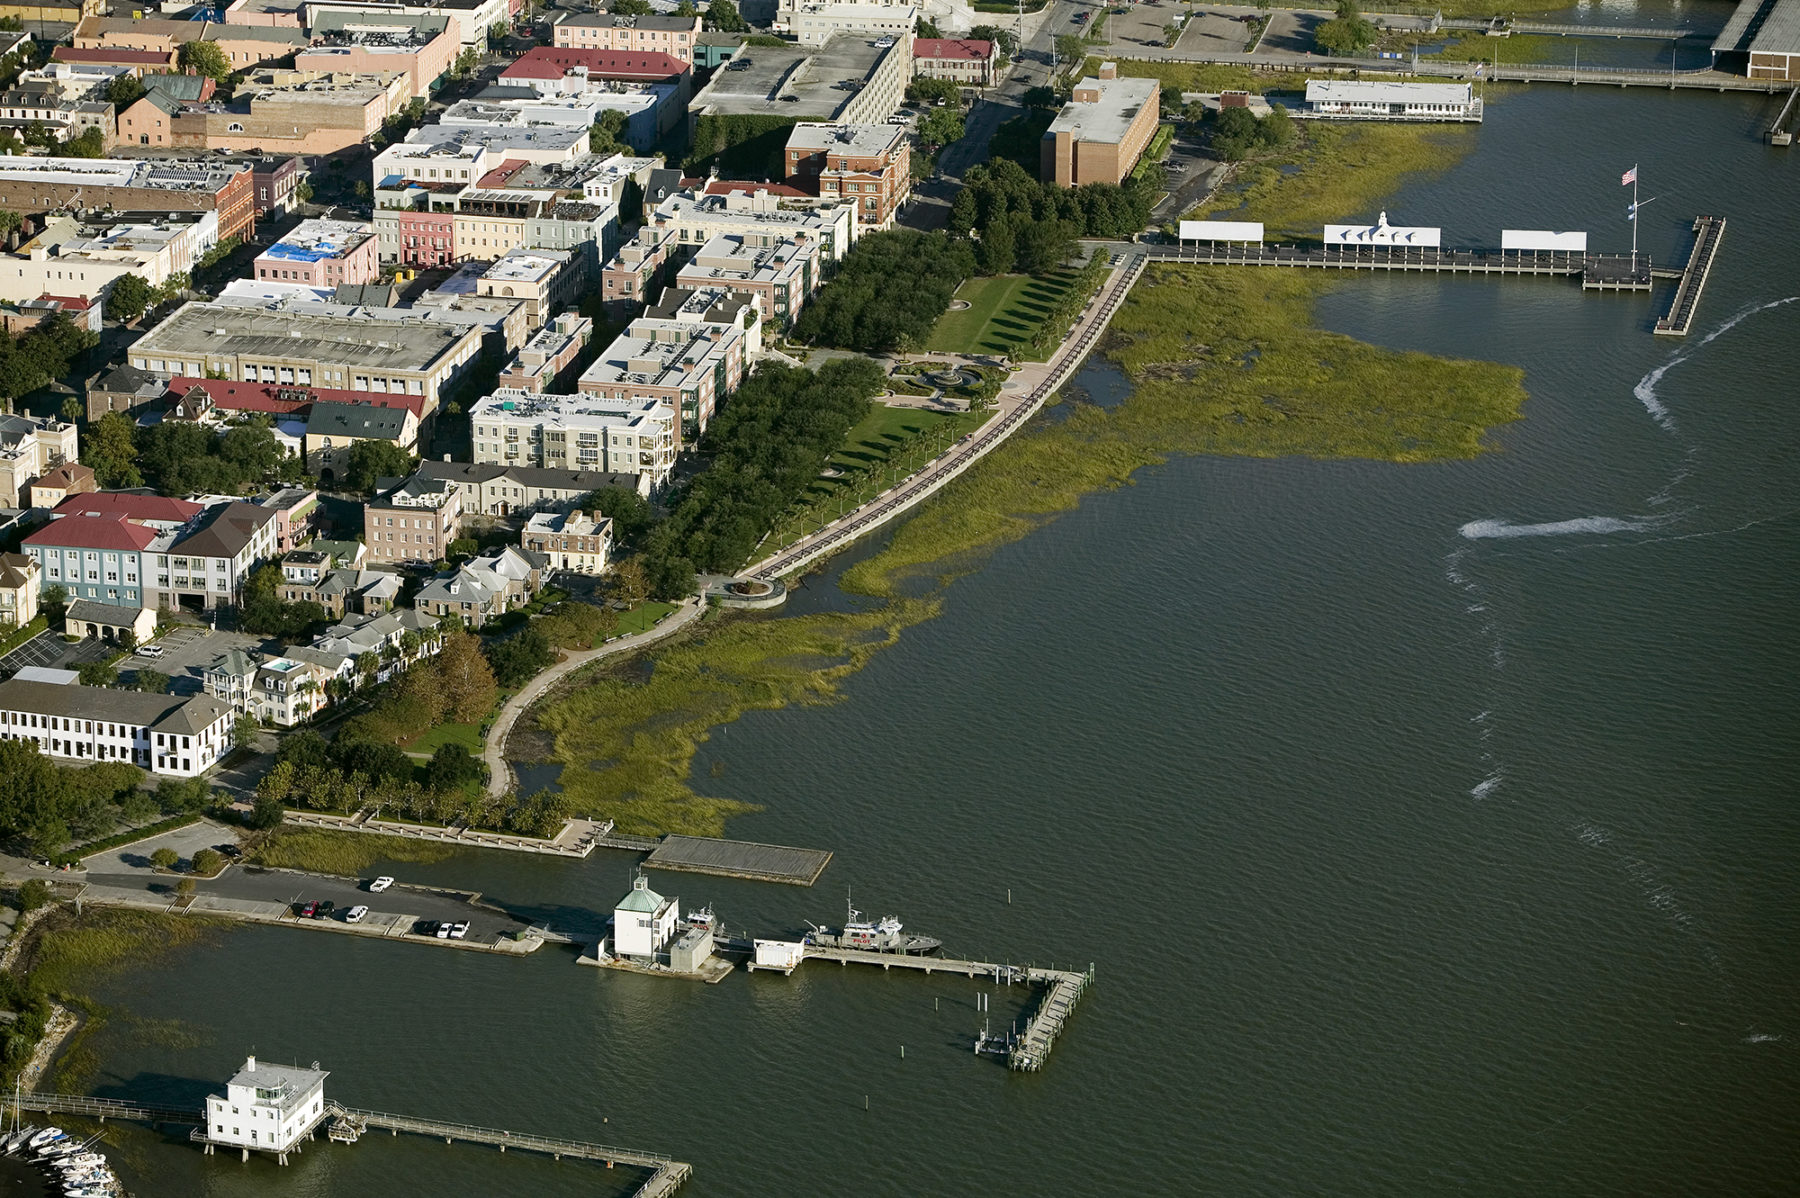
{"x":1431,"y":828}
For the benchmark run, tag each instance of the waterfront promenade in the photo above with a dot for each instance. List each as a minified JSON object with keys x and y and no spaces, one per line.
{"x":1023,"y":395}
{"x":494,"y":751}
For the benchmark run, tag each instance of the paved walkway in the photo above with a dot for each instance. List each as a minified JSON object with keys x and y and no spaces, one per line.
{"x":577,"y":838}
{"x":1023,"y":395}
{"x":494,"y":752}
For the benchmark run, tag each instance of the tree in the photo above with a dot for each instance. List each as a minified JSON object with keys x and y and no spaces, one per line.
{"x":1009,"y":41}
{"x":927,"y":28}
{"x":629,"y":512}
{"x":91,"y":143}
{"x":124,"y":91}
{"x":468,"y":682}
{"x":941,"y":127}
{"x":631,"y":8}
{"x":1347,"y":33}
{"x":629,"y":581}
{"x":33,"y":894}
{"x":97,"y":673}
{"x":723,"y":16}
{"x":278,"y":783}
{"x":54,"y":603}
{"x":165,"y":858}
{"x":208,"y":862}
{"x":244,"y":729}
{"x":185,"y":888}
{"x":1070,"y":48}
{"x":608,"y":134}
{"x":151,"y":682}
{"x":206,"y":58}
{"x":72,"y":409}
{"x":496,"y":33}
{"x":108,"y":447}
{"x":517,"y":659}
{"x":451,"y":768}
{"x":267,"y":813}
{"x":129,"y":296}
{"x":303,"y":192}
{"x":371,"y":459}
{"x":686,"y":9}
{"x":927,"y":90}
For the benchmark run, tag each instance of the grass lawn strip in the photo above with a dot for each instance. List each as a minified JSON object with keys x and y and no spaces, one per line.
{"x":1004,"y":314}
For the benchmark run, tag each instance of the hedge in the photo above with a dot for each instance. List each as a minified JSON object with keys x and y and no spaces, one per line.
{"x":125,"y":838}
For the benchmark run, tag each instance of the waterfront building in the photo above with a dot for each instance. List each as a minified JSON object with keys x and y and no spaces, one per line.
{"x":266,"y":1108}
{"x":1393,"y":101}
{"x":486,"y":588}
{"x":167,"y":735}
{"x":1761,"y":40}
{"x":575,"y":541}
{"x":1101,"y":132}
{"x":644,"y":922}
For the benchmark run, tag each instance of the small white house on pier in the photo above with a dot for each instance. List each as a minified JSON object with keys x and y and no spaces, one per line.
{"x":266,"y":1108}
{"x":644,"y":921}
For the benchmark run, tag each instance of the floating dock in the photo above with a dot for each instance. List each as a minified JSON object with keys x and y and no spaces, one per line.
{"x":1027,"y":1051}
{"x":739,"y":859}
{"x":1708,"y":231}
{"x":1597,"y":272}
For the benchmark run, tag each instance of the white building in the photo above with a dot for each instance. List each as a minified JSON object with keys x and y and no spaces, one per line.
{"x":574,"y":541}
{"x":576,"y":432}
{"x":1392,"y":101}
{"x":71,"y":258}
{"x":167,"y":735}
{"x":812,"y":22}
{"x":266,"y":1108}
{"x":644,"y":921}
{"x":758,"y":215}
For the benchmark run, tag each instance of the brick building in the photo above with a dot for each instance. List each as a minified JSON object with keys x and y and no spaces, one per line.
{"x":1101,"y":131}
{"x":868,"y":165}
{"x":37,"y":184}
{"x":671,"y":35}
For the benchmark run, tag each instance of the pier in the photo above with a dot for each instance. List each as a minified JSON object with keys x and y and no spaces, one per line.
{"x":1779,"y":133}
{"x":1027,"y":1051}
{"x":347,"y":1125}
{"x":739,"y":859}
{"x":1500,"y":25}
{"x":1708,"y":231}
{"x":1597,"y":272}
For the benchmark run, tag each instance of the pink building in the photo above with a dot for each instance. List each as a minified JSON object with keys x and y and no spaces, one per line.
{"x":322,"y":253}
{"x":427,"y":238}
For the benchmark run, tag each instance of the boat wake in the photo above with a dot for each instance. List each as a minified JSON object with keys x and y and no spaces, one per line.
{"x":1500,"y":530}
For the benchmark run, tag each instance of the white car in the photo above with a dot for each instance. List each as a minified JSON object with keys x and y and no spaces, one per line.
{"x":460,"y":930}
{"x":150,"y":651}
{"x":380,"y":884}
{"x":443,"y":931}
{"x":355,"y":914}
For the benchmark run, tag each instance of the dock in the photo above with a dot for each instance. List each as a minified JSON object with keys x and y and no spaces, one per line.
{"x":1708,"y":231}
{"x":1779,"y":133}
{"x":347,"y":1125}
{"x":1597,"y":272}
{"x":739,"y":859}
{"x":1026,"y":1051}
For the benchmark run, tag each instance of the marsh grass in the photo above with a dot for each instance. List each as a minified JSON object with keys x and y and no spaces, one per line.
{"x":346,"y":854}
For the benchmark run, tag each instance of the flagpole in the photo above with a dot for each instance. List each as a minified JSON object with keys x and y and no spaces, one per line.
{"x":1634,"y":216}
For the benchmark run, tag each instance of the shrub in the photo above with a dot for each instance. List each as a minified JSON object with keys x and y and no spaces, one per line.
{"x":165,"y":858}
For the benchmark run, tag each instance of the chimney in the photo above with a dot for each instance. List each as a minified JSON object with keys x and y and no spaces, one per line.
{"x":1109,"y":70}
{"x":249,"y":1064}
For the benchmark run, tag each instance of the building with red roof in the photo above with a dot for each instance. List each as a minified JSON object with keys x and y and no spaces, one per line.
{"x":974,"y":61}
{"x":142,"y":60}
{"x":127,"y":505}
{"x":228,"y":395}
{"x":623,"y":66}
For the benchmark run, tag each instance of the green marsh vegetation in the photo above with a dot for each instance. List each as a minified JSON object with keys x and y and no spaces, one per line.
{"x":346,"y":854}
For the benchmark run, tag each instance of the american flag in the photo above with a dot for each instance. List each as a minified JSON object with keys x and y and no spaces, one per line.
{"x":1629,"y":178}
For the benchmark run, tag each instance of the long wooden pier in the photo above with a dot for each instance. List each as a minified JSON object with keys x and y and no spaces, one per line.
{"x":1031,"y":1048}
{"x":666,"y":1175}
{"x":89,"y":1107}
{"x":1597,"y":272}
{"x":1708,"y":231}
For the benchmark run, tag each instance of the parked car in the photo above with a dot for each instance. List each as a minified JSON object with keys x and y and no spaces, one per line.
{"x":460,"y":930}
{"x":150,"y":651}
{"x":443,"y":931}
{"x":355,"y":914}
{"x":425,"y":927}
{"x":324,"y":909}
{"x":307,"y":910}
{"x":230,"y":851}
{"x":380,"y":884}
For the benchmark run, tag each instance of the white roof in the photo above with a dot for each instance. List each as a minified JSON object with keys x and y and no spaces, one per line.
{"x":46,"y":674}
{"x":1345,"y":92}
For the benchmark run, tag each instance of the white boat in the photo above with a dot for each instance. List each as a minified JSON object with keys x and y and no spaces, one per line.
{"x":59,"y":1148}
{"x":44,"y":1137}
{"x":17,"y":1139}
{"x":81,"y":1160}
{"x":703,"y":918}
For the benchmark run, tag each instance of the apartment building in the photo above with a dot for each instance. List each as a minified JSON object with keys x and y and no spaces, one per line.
{"x":71,"y":256}
{"x":29,"y":184}
{"x":495,"y":489}
{"x":634,"y":276}
{"x":32,"y":446}
{"x":974,"y":62}
{"x":670,"y":34}
{"x":552,"y":350}
{"x":813,"y":23}
{"x":243,"y":46}
{"x":171,"y":737}
{"x":416,"y":521}
{"x":421,"y":47}
{"x":579,"y":542}
{"x":1102,"y":131}
{"x":757,"y":210}
{"x":866,"y":165}
{"x":334,"y":429}
{"x":690,"y":366}
{"x":636,"y":436}
{"x":544,"y":280}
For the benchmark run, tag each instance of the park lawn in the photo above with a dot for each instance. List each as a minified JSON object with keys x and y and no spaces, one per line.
{"x":1004,"y":313}
{"x":429,"y":741}
{"x":641,"y":618}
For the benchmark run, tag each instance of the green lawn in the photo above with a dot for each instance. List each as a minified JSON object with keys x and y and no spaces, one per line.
{"x":466,"y":735}
{"x":641,"y":617}
{"x":1003,"y":314}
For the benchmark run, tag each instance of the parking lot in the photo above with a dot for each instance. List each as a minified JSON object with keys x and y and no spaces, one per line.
{"x":49,"y":650}
{"x":187,"y":652}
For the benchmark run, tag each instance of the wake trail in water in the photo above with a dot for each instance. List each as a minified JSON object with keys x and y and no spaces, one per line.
{"x":1645,"y":390}
{"x":1491,"y":530}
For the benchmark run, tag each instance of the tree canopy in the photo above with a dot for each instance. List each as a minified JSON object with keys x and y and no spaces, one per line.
{"x":1348,"y":33}
{"x":179,"y":457}
{"x":371,"y":459}
{"x":130,"y":293}
{"x":723,"y":16}
{"x":889,"y":292}
{"x":110,"y":449}
{"x":43,"y":353}
{"x":46,"y":806}
{"x":1002,"y":189}
{"x":1237,"y":133}
{"x":206,"y":58}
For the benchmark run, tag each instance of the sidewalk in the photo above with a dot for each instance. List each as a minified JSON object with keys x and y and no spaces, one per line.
{"x":494,"y":752}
